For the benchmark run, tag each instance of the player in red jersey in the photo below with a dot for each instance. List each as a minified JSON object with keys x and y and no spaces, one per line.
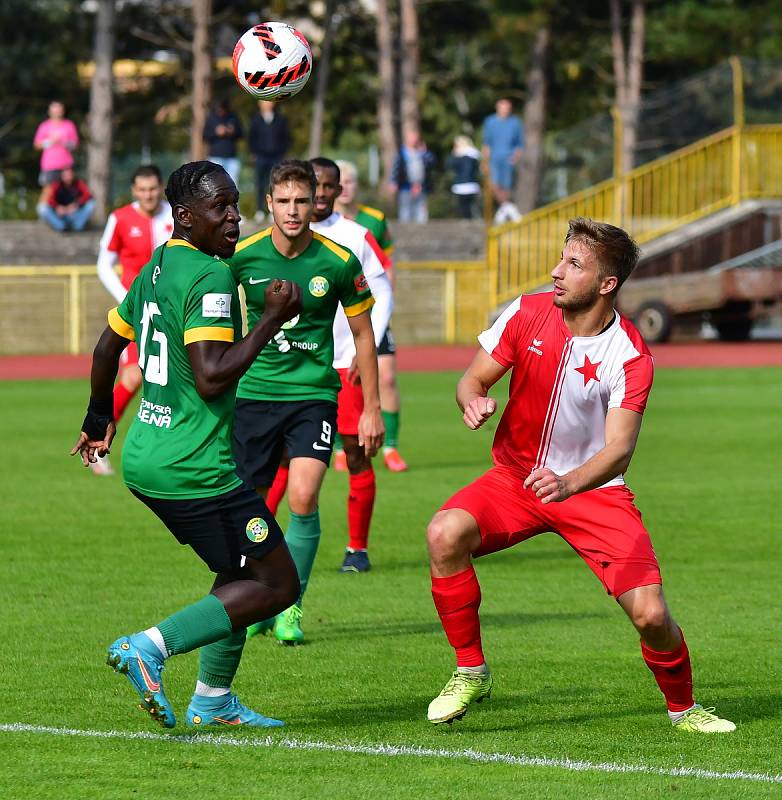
{"x":132,"y":232}
{"x":581,"y":375}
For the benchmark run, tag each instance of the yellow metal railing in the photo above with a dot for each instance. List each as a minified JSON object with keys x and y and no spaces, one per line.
{"x":736,"y":164}
{"x":71,"y":305}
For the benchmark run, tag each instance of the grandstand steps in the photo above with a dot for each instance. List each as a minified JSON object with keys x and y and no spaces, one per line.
{"x":25,"y":242}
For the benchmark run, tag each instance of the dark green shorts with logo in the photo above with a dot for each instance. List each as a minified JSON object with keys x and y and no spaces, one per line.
{"x":222,"y":530}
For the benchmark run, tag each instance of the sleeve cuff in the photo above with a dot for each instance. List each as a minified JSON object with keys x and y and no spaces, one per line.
{"x":359,"y":308}
{"x":120,"y":327}
{"x":209,"y":334}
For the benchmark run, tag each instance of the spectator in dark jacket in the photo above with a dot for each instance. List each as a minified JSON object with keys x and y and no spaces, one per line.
{"x":67,"y":203}
{"x":222,"y":131}
{"x":269,"y":142}
{"x":464,"y":164}
{"x":411,"y":177}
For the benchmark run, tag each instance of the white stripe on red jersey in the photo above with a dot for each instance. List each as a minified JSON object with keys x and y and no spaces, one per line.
{"x":562,"y":386}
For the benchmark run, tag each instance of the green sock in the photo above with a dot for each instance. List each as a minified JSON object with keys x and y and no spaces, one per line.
{"x":218,"y":661}
{"x":201,"y":623}
{"x":338,"y":443}
{"x":302,"y":538}
{"x":391,"y":421}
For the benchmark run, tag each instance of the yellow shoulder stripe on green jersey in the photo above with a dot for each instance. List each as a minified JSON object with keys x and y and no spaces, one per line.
{"x":359,"y":308}
{"x":119,"y":326}
{"x":373,"y":212}
{"x":180,"y":243}
{"x":209,"y":334}
{"x":256,"y":237}
{"x":338,"y":251}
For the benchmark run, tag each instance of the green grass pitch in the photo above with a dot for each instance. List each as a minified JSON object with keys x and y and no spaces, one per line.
{"x":82,"y":562}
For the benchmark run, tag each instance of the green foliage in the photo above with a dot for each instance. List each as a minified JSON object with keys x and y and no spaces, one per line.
{"x":471,"y":52}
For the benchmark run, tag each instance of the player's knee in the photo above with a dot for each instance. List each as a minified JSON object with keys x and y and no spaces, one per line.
{"x":651,"y":617}
{"x":301,"y":499}
{"x":444,"y":536}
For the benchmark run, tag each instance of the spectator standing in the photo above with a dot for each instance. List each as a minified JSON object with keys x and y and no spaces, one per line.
{"x":67,"y":203}
{"x":411,"y":177}
{"x":56,"y":138}
{"x":269,"y":141}
{"x":503,"y":143}
{"x":464,"y":163}
{"x":222,"y":131}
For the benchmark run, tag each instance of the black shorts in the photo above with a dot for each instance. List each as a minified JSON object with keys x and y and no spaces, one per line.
{"x":264,"y":429}
{"x":387,"y":346}
{"x":221,"y":529}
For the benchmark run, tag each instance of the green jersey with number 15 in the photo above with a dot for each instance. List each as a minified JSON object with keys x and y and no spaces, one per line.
{"x":297,"y":363}
{"x":179,"y":445}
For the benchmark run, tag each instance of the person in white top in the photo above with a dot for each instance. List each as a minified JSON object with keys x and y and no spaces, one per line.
{"x":350,"y":401}
{"x":581,"y":375}
{"x":131,"y":235}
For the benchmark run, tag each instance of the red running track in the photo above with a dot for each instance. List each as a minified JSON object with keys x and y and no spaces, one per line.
{"x":433,"y":358}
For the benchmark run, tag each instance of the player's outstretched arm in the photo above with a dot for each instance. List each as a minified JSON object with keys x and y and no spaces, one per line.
{"x":621,"y":432}
{"x":217,"y":366}
{"x":98,"y":429}
{"x":371,"y":430}
{"x":473,"y":389}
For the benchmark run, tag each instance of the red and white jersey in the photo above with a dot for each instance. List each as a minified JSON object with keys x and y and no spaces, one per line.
{"x":130,"y":237}
{"x":562,"y":386}
{"x":358,"y":240}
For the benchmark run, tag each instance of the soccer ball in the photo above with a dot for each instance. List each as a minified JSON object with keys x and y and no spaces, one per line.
{"x":272,"y":61}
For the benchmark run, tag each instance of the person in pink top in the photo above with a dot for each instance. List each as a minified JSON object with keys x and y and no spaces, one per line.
{"x":56,"y":138}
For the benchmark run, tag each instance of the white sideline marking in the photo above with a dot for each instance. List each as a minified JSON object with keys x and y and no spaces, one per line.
{"x":222,"y":740}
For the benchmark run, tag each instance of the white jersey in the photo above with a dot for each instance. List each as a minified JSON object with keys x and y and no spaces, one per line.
{"x":562,"y":386}
{"x":350,"y":234}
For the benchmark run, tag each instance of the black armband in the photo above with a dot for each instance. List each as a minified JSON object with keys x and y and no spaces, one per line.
{"x":99,"y":414}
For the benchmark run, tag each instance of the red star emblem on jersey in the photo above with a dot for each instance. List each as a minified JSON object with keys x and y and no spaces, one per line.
{"x":589,"y":370}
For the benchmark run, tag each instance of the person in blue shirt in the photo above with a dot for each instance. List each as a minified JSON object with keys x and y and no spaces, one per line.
{"x":503,"y":144}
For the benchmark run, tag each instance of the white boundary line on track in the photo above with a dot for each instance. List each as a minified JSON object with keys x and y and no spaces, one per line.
{"x":222,"y":740}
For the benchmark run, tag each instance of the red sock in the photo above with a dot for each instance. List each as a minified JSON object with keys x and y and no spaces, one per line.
{"x":122,"y":397}
{"x":361,"y":501}
{"x":673,"y":674}
{"x":457,"y":599}
{"x":277,"y":490}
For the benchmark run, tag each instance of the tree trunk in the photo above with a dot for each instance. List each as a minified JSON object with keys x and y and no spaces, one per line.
{"x":411,"y":117}
{"x":321,"y":81}
{"x":202,"y":76}
{"x":385,"y":94}
{"x":101,"y":106}
{"x":628,"y":74}
{"x":531,"y":167}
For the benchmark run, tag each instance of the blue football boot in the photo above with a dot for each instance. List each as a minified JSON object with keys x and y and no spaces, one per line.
{"x":138,"y":659}
{"x":225,"y":710}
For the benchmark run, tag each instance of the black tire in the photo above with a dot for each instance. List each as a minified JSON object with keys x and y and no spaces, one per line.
{"x":655,"y":321}
{"x":733,"y":322}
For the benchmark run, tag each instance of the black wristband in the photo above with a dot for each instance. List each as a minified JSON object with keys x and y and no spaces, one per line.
{"x":99,"y":414}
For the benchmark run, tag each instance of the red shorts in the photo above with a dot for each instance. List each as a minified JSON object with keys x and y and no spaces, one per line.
{"x":129,"y":356}
{"x":603,"y":526}
{"x":350,"y":405}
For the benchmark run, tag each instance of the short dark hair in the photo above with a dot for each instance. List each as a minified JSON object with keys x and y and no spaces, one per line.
{"x":616,"y":251}
{"x":189,"y":182}
{"x":293,"y":170}
{"x":326,"y":163}
{"x":146,"y":171}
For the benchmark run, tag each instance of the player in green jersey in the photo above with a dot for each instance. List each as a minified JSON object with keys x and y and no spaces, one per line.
{"x":374,"y":220}
{"x":288,"y":398}
{"x":182,"y":310}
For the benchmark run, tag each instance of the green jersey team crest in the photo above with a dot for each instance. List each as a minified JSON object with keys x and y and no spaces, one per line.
{"x":318,"y":286}
{"x":257,"y":529}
